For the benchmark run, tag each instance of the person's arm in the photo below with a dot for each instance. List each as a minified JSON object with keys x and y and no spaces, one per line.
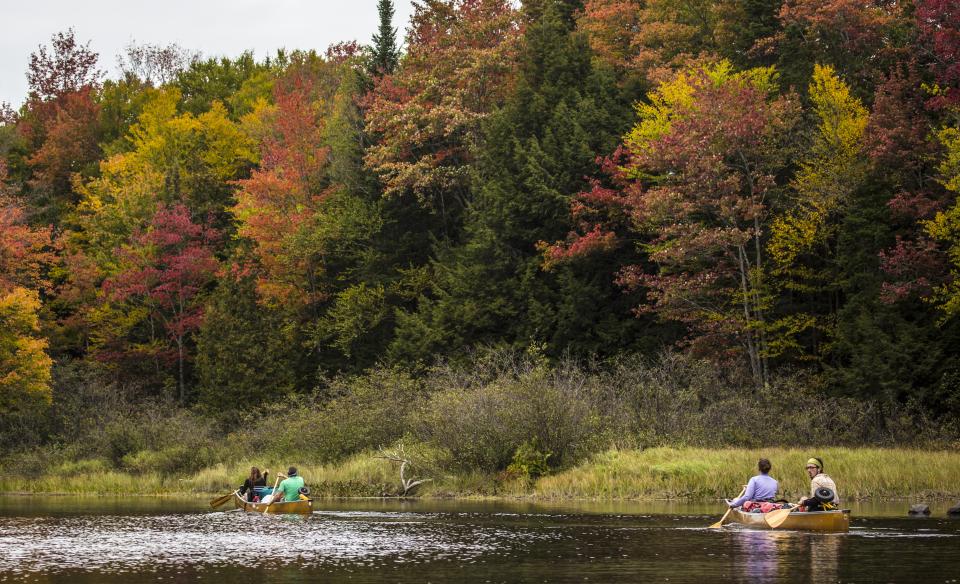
{"x":748,"y":495}
{"x":813,"y":492}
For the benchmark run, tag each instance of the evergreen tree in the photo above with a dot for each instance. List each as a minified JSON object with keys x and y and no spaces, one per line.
{"x":244,"y":352}
{"x":537,"y":152}
{"x":386,"y":54}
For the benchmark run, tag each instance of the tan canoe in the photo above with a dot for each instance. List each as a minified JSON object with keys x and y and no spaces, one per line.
{"x":805,"y":521}
{"x":294,"y":507}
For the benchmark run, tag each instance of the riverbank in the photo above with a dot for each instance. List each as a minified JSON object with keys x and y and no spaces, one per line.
{"x":655,"y":473}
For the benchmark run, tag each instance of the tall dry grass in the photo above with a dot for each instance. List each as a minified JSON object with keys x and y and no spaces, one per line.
{"x":700,"y":473}
{"x":655,"y":473}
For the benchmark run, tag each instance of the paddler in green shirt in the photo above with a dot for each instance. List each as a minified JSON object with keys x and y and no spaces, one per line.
{"x":290,"y":486}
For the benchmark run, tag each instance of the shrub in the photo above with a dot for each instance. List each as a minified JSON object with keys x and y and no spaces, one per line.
{"x":352,"y":414}
{"x":529,"y":461}
{"x":485,"y":417}
{"x":173,"y":460}
{"x":72,"y":468}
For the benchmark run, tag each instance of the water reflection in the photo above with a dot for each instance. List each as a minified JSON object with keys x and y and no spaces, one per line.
{"x":760,"y":553}
{"x":777,"y":556}
{"x":452,"y":541}
{"x":825,"y":557}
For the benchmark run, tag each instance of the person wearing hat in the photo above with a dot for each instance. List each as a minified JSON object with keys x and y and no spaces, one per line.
{"x":821,"y":486}
{"x":291,"y":485}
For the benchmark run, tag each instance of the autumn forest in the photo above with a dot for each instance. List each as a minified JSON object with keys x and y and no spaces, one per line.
{"x":501,"y":222}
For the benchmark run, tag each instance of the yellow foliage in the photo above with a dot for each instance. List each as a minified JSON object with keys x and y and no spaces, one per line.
{"x":174,"y":159}
{"x":783,"y":333}
{"x":24,"y":364}
{"x":950,"y":166}
{"x":945,"y":226}
{"x":835,"y":166}
{"x":793,"y":235}
{"x":673,"y":98}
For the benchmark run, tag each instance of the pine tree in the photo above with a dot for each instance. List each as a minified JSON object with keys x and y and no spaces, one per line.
{"x":246,"y":353}
{"x":536,"y":152}
{"x":386,"y":54}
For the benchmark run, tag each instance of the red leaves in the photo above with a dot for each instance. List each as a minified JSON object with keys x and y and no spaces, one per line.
{"x":67,"y":68}
{"x":912,"y":207}
{"x":897,"y":135}
{"x":939,"y":22}
{"x":853,"y":35}
{"x":913,"y":266}
{"x":460,"y":55}
{"x":695,"y":187}
{"x":577,"y":245}
{"x":167,"y":266}
{"x":71,"y":134}
{"x":24,"y":251}
{"x":280,"y":199}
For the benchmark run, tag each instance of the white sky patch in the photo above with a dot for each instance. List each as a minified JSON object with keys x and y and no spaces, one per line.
{"x":213,"y":27}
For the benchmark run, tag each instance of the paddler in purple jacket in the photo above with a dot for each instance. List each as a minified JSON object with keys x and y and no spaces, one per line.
{"x":762,"y":487}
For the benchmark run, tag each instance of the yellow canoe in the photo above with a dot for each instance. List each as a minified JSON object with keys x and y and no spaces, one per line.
{"x":294,"y":507}
{"x":805,"y":521}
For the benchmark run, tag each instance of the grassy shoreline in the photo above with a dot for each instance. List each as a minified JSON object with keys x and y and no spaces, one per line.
{"x":651,"y":474}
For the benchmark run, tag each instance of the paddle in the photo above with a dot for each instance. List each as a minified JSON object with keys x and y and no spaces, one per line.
{"x":221,"y":500}
{"x":776,"y":518}
{"x":719,"y":524}
{"x":273,"y":495}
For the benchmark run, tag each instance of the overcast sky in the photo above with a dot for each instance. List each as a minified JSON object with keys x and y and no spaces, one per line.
{"x":213,"y":27}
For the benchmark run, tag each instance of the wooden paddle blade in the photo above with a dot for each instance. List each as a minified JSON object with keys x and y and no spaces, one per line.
{"x":719,"y":524}
{"x":776,"y":518}
{"x":220,"y":501}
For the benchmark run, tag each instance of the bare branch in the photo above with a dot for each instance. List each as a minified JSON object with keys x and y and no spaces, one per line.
{"x":400,"y":455}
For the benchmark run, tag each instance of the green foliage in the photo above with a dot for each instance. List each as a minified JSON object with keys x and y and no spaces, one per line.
{"x":358,"y":413}
{"x":385,"y":54}
{"x":246,"y":353}
{"x":537,"y":152}
{"x":594,"y":179}
{"x":182,"y":459}
{"x":206,"y":82}
{"x":529,"y":462}
{"x":483,"y":415}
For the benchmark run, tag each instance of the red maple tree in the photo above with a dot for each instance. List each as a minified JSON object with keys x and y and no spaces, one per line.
{"x":166,"y":267}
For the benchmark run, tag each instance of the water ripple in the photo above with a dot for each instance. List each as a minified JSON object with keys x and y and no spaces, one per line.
{"x":118,"y":543}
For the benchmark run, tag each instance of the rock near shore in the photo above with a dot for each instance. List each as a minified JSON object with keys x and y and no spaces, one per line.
{"x":954,"y":511}
{"x":919,"y":510}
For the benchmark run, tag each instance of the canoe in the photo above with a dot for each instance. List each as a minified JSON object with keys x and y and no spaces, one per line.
{"x":806,"y":521}
{"x":293,"y":507}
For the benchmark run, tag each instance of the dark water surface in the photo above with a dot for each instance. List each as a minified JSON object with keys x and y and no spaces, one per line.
{"x":131,"y":540}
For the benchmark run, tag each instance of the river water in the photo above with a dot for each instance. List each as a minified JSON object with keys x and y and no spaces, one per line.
{"x":132,"y":540}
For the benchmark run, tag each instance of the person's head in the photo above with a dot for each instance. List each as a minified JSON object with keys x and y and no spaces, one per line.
{"x":814,"y":467}
{"x":764,"y":465}
{"x":292,"y":471}
{"x":254,"y":473}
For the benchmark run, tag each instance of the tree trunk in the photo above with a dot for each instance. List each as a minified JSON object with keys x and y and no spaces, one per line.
{"x":180,"y":365}
{"x":752,"y":350}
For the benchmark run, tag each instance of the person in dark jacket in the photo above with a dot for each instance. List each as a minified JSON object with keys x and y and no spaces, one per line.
{"x":256,"y":479}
